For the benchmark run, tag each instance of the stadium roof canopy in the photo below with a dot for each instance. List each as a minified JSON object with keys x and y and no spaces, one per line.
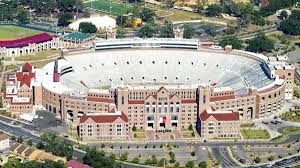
{"x":101,"y":22}
{"x":39,"y":38}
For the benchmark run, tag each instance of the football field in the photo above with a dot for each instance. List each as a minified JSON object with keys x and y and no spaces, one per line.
{"x":117,"y":7}
{"x":8,"y":32}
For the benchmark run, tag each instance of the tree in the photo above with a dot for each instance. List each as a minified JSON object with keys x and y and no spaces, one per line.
{"x":190,"y":164}
{"x":147,"y":14}
{"x":29,"y":142}
{"x":124,"y":156}
{"x":200,"y":6}
{"x":58,"y":146}
{"x":15,"y":163}
{"x":121,"y":20}
{"x":261,"y":43}
{"x":172,"y":157}
{"x":257,"y":159}
{"x":135,"y":1}
{"x":22,"y":16}
{"x":167,"y":30}
{"x":283,"y":15}
{"x":188,"y":31}
{"x":64,"y":19}
{"x":134,"y":128}
{"x":191,"y":127}
{"x":87,"y":27}
{"x":20,"y":139}
{"x":136,"y":160}
{"x":214,"y":10}
{"x":271,"y":158}
{"x":193,"y":153}
{"x":202,"y":164}
{"x":291,"y":25}
{"x":177,"y":165}
{"x":3,"y":88}
{"x":162,"y":162}
{"x":169,"y":3}
{"x":121,"y":32}
{"x":98,"y":159}
{"x":231,"y":40}
{"x":148,"y":30}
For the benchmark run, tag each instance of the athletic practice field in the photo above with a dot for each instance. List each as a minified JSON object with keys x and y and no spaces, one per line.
{"x":16,"y":32}
{"x":117,"y":8}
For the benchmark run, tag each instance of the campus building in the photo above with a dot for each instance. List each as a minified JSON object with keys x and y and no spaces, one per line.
{"x":158,"y":84}
{"x":28,"y":45}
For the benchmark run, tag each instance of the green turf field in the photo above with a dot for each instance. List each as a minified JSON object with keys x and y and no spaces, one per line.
{"x":104,"y":6}
{"x":16,"y":32}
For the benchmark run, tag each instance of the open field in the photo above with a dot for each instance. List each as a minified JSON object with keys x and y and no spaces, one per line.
{"x":16,"y":32}
{"x":117,"y":8}
{"x":255,"y":134}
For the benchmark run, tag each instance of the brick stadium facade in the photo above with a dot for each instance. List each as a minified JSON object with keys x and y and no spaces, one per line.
{"x":112,"y":113}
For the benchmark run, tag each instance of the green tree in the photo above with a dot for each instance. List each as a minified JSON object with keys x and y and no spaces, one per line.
{"x":291,"y":25}
{"x":98,"y":159}
{"x":200,"y":6}
{"x":193,"y":153}
{"x":64,"y":19}
{"x":257,"y":159}
{"x":162,"y":162}
{"x":148,"y":30}
{"x":121,"y":20}
{"x":136,"y":160}
{"x":167,"y":30}
{"x":87,"y":27}
{"x":214,"y":10}
{"x":283,"y":15}
{"x":169,"y":3}
{"x":177,"y":165}
{"x":3,"y":88}
{"x":188,"y":31}
{"x":271,"y":158}
{"x":147,"y":14}
{"x":29,"y":142}
{"x":121,"y":32}
{"x":22,"y":16}
{"x":202,"y":164}
{"x":191,"y":127}
{"x":190,"y":164}
{"x":58,"y":146}
{"x":20,"y":139}
{"x":124,"y":156}
{"x":231,"y":40}
{"x":261,"y":43}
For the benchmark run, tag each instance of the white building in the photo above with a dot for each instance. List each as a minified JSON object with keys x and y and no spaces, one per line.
{"x":4,"y":142}
{"x":101,"y":22}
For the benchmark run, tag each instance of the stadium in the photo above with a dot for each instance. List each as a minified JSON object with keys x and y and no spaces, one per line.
{"x":155,"y":84}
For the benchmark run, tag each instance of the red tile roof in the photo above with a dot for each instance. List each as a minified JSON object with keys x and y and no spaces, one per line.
{"x":103,"y":118}
{"x":25,"y":78}
{"x":76,"y":164}
{"x":234,"y":116}
{"x":219,"y":98}
{"x":27,"y":67}
{"x":188,"y":101}
{"x":136,"y":102}
{"x":100,"y":99}
{"x":39,"y":38}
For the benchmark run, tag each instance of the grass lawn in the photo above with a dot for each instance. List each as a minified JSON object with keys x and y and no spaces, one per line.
{"x":104,"y":5}
{"x":247,"y":125}
{"x":16,"y":32}
{"x":187,"y":134}
{"x":291,"y":116}
{"x":40,"y":64}
{"x":291,"y":130}
{"x":280,"y":138}
{"x":255,"y":134}
{"x":38,"y":56}
{"x":139,"y":136}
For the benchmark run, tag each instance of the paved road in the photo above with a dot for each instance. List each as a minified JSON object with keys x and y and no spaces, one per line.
{"x":222,"y":155}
